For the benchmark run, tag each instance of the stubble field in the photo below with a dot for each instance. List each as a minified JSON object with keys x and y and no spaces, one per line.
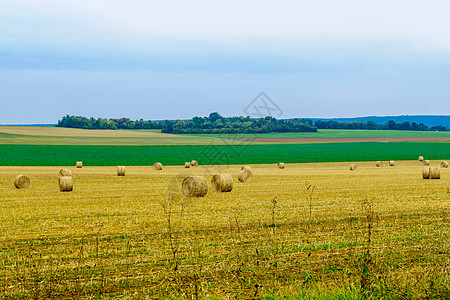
{"x":371,"y":233}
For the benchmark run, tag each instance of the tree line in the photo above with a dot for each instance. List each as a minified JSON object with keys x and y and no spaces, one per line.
{"x":217,"y":124}
{"x":101,"y":123}
{"x":370,"y":125}
{"x":214,"y":123}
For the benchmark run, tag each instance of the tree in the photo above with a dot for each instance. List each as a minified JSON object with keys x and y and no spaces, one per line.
{"x":391,"y":125}
{"x":213,"y":117}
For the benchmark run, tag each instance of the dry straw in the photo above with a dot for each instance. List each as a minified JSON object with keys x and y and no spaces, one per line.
{"x":245,"y":176}
{"x":187,"y":164}
{"x":194,"y":186}
{"x":222,"y":183}
{"x":22,"y":182}
{"x":420,"y":158}
{"x":353,"y":167}
{"x":157,"y":166}
{"x":280,"y":165}
{"x":246,"y":168}
{"x":120,"y":170}
{"x":431,"y":173}
{"x":435,"y":173}
{"x":79,"y":164}
{"x":379,"y":164}
{"x":444,"y":164}
{"x":65,"y":183}
{"x":391,"y":163}
{"x":426,"y":162}
{"x":65,"y":172}
{"x":194,"y":163}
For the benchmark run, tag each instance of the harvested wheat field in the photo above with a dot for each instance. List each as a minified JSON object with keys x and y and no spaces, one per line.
{"x":311,"y":231}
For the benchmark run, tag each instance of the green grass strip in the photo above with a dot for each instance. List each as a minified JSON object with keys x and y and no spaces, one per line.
{"x":52,"y":155}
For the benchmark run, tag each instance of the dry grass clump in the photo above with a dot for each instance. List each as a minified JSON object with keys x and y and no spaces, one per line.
{"x":79,"y":164}
{"x":420,"y":158}
{"x":65,"y":172}
{"x":222,"y":183}
{"x":120,"y":170}
{"x":353,"y":167}
{"x":65,"y":183}
{"x":280,"y":165}
{"x":22,"y":182}
{"x":245,"y":176}
{"x":246,"y":168}
{"x":431,"y":173}
{"x":157,"y":166}
{"x":426,"y":162}
{"x":379,"y":164}
{"x":391,"y":163}
{"x":194,"y":186}
{"x":194,"y":163}
{"x":187,"y":165}
{"x":444,"y":164}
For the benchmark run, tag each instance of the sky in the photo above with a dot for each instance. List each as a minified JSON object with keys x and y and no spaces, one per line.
{"x":178,"y":59}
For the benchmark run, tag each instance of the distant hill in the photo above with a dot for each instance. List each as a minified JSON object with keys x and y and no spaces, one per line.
{"x":429,"y":120}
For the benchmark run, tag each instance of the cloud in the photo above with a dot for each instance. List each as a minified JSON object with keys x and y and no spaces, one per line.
{"x":317,"y":58}
{"x":141,"y":23}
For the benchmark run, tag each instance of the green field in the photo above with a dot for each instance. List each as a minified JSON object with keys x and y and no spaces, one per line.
{"x":52,"y":146}
{"x":48,"y":155}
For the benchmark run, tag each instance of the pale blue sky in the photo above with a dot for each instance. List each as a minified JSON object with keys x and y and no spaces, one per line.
{"x":178,"y":59}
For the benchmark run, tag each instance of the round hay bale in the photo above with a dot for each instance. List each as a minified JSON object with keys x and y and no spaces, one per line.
{"x":157,"y":166}
{"x":79,"y":164}
{"x":426,"y":162}
{"x":65,"y":172}
{"x":194,"y":163}
{"x":222,"y":183}
{"x":379,"y":164}
{"x":187,"y":165}
{"x":194,"y":186}
{"x":120,"y":170}
{"x":245,"y":176}
{"x":353,"y":167}
{"x":246,"y":168}
{"x":391,"y":163}
{"x":444,"y":164}
{"x":280,"y":165}
{"x":435,"y":173}
{"x":22,"y":182}
{"x":420,"y":158}
{"x":426,"y":173}
{"x":65,"y":183}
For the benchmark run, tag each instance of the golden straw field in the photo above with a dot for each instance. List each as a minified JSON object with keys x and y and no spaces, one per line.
{"x":307,"y":231}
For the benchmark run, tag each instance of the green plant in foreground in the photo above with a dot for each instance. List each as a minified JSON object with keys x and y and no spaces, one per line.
{"x":274,"y":246}
{"x":309,"y":191}
{"x":366,"y":261}
{"x":173,"y":236}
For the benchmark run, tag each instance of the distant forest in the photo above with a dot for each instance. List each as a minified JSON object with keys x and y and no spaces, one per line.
{"x":217,"y":124}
